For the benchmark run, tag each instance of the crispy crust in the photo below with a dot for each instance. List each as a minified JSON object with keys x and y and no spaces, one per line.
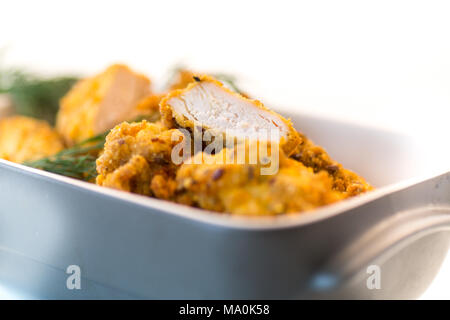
{"x":78,"y":117}
{"x":182,"y":79}
{"x":137,"y":158}
{"x":344,"y":180}
{"x":24,"y":139}
{"x":241,"y":189}
{"x":148,"y":107}
{"x":172,"y":119}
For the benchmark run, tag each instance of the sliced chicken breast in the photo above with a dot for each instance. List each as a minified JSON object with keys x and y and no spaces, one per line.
{"x":207,"y":103}
{"x":97,"y":104}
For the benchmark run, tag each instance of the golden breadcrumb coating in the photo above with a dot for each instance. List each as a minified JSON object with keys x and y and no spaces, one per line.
{"x":208,"y":89}
{"x":24,"y":139}
{"x":182,"y":78}
{"x":95,"y":105}
{"x":133,"y":176}
{"x":315,"y":157}
{"x":137,"y":158}
{"x":148,"y":107}
{"x":241,"y":188}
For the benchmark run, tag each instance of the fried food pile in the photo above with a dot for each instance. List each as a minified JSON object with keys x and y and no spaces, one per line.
{"x":248,"y":159}
{"x":224,"y":186}
{"x":212,"y":178}
{"x":137,"y":158}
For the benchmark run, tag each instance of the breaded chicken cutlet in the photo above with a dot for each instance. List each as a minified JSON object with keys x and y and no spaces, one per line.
{"x":214,"y":182}
{"x":315,"y":157}
{"x":215,"y":107}
{"x":95,"y":105}
{"x":137,"y":158}
{"x":26,"y":139}
{"x":207,"y":103}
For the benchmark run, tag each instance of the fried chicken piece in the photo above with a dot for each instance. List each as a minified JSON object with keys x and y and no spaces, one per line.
{"x":137,"y":158}
{"x":148,"y":107}
{"x":182,"y":79}
{"x":315,"y":157}
{"x":212,"y":183}
{"x":97,"y":104}
{"x":206,"y":102}
{"x":25,"y":139}
{"x":133,"y":176}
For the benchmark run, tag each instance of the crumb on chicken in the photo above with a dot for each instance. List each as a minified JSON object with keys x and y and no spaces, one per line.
{"x":137,"y":158}
{"x":26,"y":139}
{"x":241,"y":189}
{"x":317,"y":158}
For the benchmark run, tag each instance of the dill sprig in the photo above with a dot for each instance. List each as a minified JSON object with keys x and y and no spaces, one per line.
{"x":75,"y":162}
{"x":227,"y":79}
{"x":32,"y":95}
{"x":79,"y":161}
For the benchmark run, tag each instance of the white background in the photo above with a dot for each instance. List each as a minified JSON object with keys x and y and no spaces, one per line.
{"x":379,"y":63}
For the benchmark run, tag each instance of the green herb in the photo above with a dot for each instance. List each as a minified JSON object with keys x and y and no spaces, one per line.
{"x":32,"y":95}
{"x":76,"y":162}
{"x":229,"y":80}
